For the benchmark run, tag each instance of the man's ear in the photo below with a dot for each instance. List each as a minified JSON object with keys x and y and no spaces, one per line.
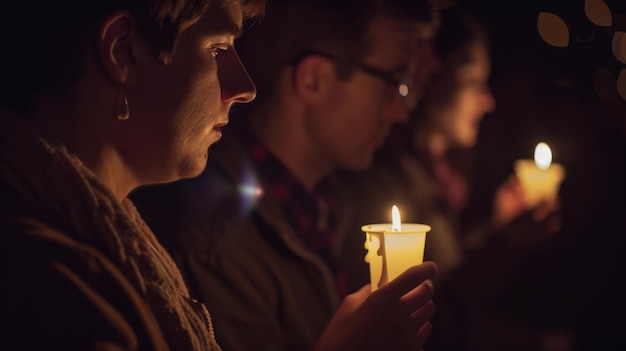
{"x":116,"y":40}
{"x":312,"y":76}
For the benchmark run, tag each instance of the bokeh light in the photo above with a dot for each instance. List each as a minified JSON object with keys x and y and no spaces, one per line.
{"x":598,"y":12}
{"x":618,"y":45}
{"x":553,"y":29}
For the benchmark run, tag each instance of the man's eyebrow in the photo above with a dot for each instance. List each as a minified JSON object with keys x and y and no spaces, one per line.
{"x":237,"y":31}
{"x":226,"y":29}
{"x":401,"y":68}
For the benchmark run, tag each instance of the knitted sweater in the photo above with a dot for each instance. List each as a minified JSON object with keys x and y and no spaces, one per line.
{"x":81,"y":270}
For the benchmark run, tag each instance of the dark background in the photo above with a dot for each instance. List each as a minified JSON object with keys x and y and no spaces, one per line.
{"x":576,"y":280}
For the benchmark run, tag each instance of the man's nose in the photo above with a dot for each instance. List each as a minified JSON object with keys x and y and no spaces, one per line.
{"x":236,"y":85}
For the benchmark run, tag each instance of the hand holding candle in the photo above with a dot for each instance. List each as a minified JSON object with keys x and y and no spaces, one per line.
{"x":393,"y":248}
{"x":540,"y":178}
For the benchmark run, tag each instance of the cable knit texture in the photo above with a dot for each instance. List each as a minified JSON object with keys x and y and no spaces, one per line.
{"x":55,"y":182}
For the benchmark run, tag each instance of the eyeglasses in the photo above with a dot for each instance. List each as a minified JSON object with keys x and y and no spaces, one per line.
{"x":401,"y":85}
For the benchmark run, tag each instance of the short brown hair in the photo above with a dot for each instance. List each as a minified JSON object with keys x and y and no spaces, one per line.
{"x":292,"y":27}
{"x":45,"y":42}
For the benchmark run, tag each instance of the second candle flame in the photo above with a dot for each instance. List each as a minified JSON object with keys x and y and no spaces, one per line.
{"x":396,"y":226}
{"x":543,"y":156}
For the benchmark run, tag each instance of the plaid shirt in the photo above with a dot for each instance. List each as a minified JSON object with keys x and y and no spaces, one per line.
{"x":312,"y":215}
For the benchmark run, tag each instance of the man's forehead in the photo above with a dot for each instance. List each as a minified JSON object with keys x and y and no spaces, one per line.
{"x":413,"y":31}
{"x":421,"y":28}
{"x":389,"y":34}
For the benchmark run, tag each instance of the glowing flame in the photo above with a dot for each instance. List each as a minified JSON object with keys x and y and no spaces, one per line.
{"x":543,"y":155}
{"x":396,"y":226}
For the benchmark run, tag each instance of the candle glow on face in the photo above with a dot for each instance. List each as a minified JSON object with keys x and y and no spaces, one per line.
{"x":543,"y":156}
{"x":396,"y":225}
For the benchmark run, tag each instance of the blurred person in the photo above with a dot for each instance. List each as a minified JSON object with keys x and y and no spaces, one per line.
{"x":425,"y":169}
{"x":258,"y":234}
{"x":99,"y":98}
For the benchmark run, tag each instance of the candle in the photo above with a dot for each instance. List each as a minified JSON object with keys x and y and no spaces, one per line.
{"x":540,"y":178}
{"x":393,"y":247}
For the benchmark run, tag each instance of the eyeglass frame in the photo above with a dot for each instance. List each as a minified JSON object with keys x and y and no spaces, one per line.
{"x":402,"y":86}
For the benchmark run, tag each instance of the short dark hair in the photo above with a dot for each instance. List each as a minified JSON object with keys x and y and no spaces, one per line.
{"x":460,"y":28}
{"x":45,"y":42}
{"x":293,"y":27}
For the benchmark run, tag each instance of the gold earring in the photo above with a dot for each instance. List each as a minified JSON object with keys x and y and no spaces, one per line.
{"x":122,"y":107}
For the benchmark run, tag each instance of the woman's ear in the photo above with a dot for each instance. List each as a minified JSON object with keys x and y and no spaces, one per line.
{"x":116,"y":44}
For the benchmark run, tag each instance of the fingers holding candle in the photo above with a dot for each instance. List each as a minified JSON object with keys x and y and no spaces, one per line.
{"x":395,"y":317}
{"x":393,"y":248}
{"x":401,"y":289}
{"x":509,"y":202}
{"x":406,"y":302}
{"x":423,"y":334}
{"x":413,"y":285}
{"x":540,"y":178}
{"x":418,"y":329}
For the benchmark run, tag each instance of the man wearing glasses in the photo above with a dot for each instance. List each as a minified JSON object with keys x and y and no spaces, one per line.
{"x":259,"y":234}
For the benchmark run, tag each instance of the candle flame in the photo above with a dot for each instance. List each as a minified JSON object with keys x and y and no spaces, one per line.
{"x":396,"y":226}
{"x":543,"y":156}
